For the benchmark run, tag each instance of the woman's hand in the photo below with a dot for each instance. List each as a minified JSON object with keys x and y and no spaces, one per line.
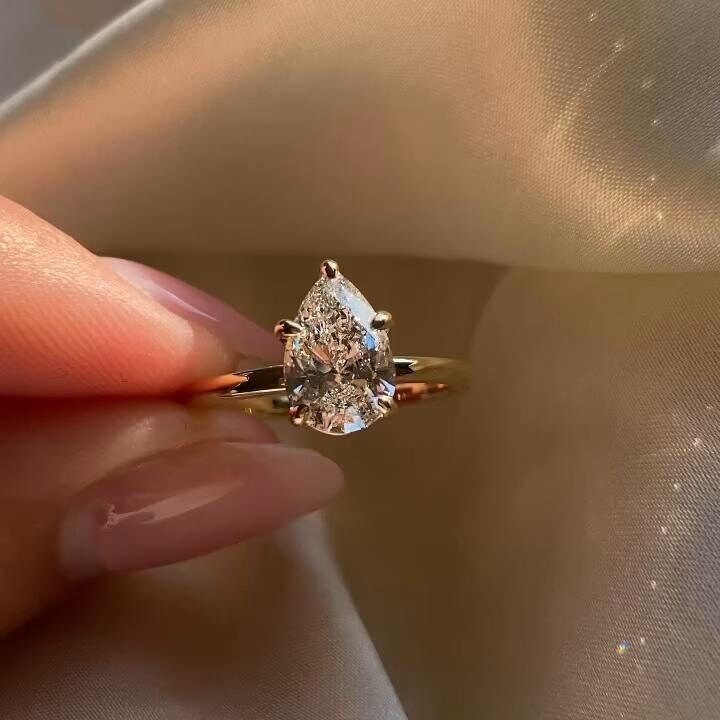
{"x":97,"y":483}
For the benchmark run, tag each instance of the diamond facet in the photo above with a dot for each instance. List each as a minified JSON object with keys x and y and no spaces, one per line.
{"x":339,"y":367}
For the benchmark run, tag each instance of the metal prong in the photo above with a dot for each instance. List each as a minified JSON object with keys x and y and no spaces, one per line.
{"x":382,"y":320}
{"x":329,"y":268}
{"x":297,"y":414}
{"x":388,"y":406}
{"x":286,"y":328}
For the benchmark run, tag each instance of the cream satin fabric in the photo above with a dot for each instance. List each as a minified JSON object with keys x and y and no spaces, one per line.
{"x":565,"y":134}
{"x":546,"y":547}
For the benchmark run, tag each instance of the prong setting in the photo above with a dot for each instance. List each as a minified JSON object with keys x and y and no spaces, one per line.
{"x":340,"y":365}
{"x":388,"y":406}
{"x":298,"y":414}
{"x":329,"y":269}
{"x":382,"y":320}
{"x":285,"y":329}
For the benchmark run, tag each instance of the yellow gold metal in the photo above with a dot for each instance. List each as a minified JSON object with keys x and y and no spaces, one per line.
{"x":382,"y":320}
{"x":387,"y":405}
{"x":297,"y":414}
{"x":262,"y":390}
{"x":285,"y":329}
{"x":329,"y":268}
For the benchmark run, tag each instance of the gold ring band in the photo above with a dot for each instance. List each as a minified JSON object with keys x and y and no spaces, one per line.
{"x":262,"y":390}
{"x":338,"y":374}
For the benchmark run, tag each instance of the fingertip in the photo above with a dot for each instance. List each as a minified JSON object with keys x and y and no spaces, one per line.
{"x":237,"y":331}
{"x":76,"y":328}
{"x":189,"y":501}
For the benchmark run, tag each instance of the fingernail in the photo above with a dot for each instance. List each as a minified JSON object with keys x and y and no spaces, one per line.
{"x":228,"y":425}
{"x":240,"y":333}
{"x":186,"y":502}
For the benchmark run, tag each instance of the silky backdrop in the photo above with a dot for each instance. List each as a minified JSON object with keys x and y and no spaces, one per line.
{"x":533,"y":185}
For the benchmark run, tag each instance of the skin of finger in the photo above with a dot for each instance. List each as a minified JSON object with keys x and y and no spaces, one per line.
{"x":72,"y":327}
{"x":50,"y":451}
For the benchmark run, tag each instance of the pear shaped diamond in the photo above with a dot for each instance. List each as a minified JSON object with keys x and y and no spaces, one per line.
{"x":338,"y":368}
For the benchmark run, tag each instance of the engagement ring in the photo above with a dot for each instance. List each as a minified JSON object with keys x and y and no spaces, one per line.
{"x":339,"y":374}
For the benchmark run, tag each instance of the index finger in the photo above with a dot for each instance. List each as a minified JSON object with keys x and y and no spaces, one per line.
{"x":70,"y":325}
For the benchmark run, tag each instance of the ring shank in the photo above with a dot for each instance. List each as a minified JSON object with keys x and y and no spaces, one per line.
{"x":262,"y":390}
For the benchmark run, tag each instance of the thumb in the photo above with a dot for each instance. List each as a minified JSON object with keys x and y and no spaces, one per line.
{"x":75,"y":324}
{"x":90,"y":487}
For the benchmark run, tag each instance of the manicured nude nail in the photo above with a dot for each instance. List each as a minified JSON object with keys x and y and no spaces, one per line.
{"x":189,"y":501}
{"x":240,"y":333}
